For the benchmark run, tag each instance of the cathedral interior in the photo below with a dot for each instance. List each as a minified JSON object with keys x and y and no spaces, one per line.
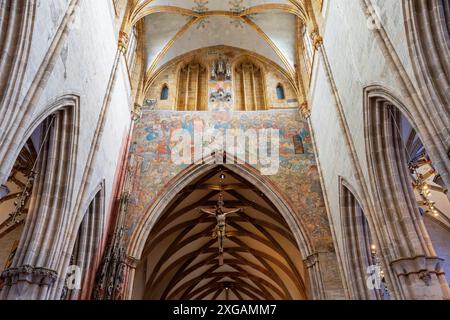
{"x":224,"y":150}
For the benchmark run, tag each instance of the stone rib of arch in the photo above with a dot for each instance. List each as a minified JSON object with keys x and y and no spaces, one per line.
{"x":261,"y":259}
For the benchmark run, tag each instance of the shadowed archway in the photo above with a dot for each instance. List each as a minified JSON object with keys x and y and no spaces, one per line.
{"x":263,"y":252}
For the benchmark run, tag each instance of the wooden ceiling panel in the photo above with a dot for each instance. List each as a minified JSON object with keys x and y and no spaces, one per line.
{"x":260,"y":260}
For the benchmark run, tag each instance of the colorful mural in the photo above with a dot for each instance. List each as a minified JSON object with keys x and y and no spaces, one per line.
{"x":298,"y":177}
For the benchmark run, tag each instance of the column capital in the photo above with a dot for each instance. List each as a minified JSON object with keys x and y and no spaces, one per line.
{"x":34,"y":275}
{"x":311,"y":260}
{"x":317,"y":39}
{"x":136,"y":113}
{"x":123,"y":42}
{"x":131,"y":262}
{"x":305,"y":110}
{"x":422,"y":266}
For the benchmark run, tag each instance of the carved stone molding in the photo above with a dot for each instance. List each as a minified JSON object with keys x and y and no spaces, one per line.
{"x":131,"y":262}
{"x":29,"y":274}
{"x":136,"y":113}
{"x":305,"y":110}
{"x":421,"y":265}
{"x":312,"y":260}
{"x":317,"y":39}
{"x":123,"y":42}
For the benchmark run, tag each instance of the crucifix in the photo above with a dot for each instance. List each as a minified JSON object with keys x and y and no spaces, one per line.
{"x":220,"y":212}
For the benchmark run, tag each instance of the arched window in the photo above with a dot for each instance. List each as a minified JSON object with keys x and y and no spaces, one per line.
{"x":280,"y":92}
{"x":398,"y":154}
{"x":165,"y":92}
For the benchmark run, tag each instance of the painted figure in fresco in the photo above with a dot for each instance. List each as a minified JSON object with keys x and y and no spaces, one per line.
{"x":188,"y":124}
{"x":153,"y":133}
{"x":163,"y":147}
{"x":221,"y":213}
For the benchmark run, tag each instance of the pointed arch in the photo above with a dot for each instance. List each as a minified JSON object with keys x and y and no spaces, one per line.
{"x":358,"y":243}
{"x":49,"y":210}
{"x":174,"y":189}
{"x":430,"y":57}
{"x":85,"y":252}
{"x":192,"y":83}
{"x":249,"y":84}
{"x":398,"y":221}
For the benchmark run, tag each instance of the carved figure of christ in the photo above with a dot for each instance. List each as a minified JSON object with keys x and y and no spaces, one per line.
{"x":221,"y":214}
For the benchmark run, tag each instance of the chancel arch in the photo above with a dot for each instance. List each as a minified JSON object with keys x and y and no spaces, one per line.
{"x":430,"y":57}
{"x":401,"y":184}
{"x":342,"y":191}
{"x":179,"y":257}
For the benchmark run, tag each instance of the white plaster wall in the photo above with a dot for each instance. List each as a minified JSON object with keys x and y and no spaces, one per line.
{"x":395,"y":27}
{"x":48,"y":17}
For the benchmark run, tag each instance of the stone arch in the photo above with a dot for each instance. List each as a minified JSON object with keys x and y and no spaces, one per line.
{"x":87,"y":244}
{"x":143,"y":230}
{"x":430,"y":57}
{"x":49,"y":214}
{"x":15,"y":39}
{"x":359,"y":244}
{"x":398,"y":219}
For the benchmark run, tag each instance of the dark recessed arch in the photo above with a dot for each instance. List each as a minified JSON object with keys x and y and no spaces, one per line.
{"x":263,"y":248}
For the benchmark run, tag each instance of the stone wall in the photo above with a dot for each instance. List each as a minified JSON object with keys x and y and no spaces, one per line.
{"x":77,"y":59}
{"x":357,"y":59}
{"x":168,"y":75}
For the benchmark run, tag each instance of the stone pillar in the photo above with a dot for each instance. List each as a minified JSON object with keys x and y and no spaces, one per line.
{"x":131,"y":264}
{"x":315,"y":277}
{"x":24,"y":282}
{"x":33,"y":271}
{"x":305,"y":111}
{"x":421,"y":278}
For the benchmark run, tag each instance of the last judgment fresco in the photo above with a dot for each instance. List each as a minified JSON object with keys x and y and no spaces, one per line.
{"x":156,"y":154}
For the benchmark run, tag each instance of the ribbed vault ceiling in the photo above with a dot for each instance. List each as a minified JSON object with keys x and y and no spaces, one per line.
{"x":261,"y":260}
{"x":175,"y":27}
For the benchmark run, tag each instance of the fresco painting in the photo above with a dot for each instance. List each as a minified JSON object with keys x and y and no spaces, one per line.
{"x":297,"y":178}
